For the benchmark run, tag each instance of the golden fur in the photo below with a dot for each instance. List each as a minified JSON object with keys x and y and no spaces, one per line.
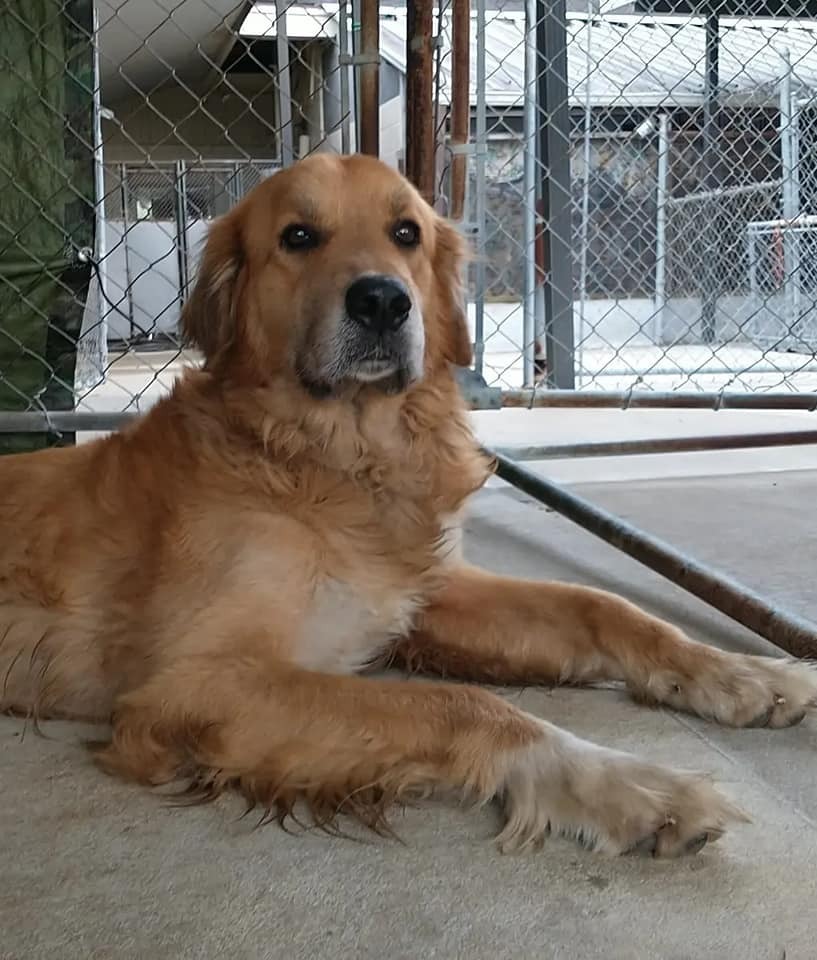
{"x":213,"y":578}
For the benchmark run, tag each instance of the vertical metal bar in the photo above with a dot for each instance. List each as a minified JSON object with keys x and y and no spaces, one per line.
{"x":796,"y":252}
{"x":554,"y":148}
{"x":370,"y":77}
{"x":355,"y":74}
{"x":585,"y":212}
{"x":345,"y":53}
{"x":754,"y":287}
{"x":284,"y":85}
{"x":479,"y":189}
{"x":100,"y":246}
{"x":180,"y":194}
{"x":419,"y":97}
{"x":709,"y":299}
{"x":439,"y":112}
{"x":529,"y":200}
{"x":124,"y":194}
{"x":790,"y":195}
{"x":660,"y":302}
{"x":460,"y":105}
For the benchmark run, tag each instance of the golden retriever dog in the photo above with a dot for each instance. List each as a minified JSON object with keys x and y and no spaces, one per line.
{"x":214,"y":579}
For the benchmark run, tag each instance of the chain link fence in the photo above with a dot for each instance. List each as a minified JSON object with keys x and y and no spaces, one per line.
{"x":690,"y":181}
{"x":639,"y":180}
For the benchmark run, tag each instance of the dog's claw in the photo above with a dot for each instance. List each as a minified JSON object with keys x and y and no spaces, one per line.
{"x":696,"y":844}
{"x":762,"y":719}
{"x":645,"y":847}
{"x":797,"y":718}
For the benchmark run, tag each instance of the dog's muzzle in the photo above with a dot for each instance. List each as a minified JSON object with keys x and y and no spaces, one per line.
{"x":382,"y":332}
{"x":378,"y":339}
{"x":379,"y":304}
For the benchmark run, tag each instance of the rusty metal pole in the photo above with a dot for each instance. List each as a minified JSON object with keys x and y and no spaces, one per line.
{"x":420,"y":96}
{"x":369,"y":65}
{"x":460,"y":105}
{"x":787,"y":631}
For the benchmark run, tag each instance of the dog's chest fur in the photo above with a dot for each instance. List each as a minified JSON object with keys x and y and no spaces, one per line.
{"x":354,"y":615}
{"x":383,"y":503}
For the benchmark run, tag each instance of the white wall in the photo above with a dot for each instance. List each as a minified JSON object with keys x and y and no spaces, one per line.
{"x":151,"y":268}
{"x":392,"y":127}
{"x":606,"y":322}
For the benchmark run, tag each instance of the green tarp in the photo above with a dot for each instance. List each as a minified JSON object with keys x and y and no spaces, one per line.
{"x":46,"y":201}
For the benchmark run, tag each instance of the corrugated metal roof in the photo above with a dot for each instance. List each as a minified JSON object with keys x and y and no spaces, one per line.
{"x":634,"y":60}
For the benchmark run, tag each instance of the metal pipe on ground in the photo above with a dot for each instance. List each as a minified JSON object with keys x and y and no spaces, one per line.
{"x":622,"y":448}
{"x":369,"y":63}
{"x":460,"y":105}
{"x":787,"y":631}
{"x":420,"y":146}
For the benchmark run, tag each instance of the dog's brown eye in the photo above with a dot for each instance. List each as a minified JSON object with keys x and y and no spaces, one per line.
{"x":299,"y":237}
{"x":406,"y":233}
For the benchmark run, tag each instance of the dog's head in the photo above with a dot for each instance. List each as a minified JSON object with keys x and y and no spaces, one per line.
{"x":334,"y":270}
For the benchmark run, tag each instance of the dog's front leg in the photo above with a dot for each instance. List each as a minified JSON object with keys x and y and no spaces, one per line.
{"x":487,"y":628}
{"x":351,"y":744}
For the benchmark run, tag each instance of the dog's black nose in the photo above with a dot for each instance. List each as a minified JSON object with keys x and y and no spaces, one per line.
{"x":381,"y":304}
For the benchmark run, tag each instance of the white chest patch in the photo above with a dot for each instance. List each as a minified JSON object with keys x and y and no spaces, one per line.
{"x":343,"y":631}
{"x":344,"y":628}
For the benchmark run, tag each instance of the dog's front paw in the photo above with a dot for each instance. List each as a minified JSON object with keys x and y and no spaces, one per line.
{"x":739,"y":690}
{"x":611,"y":802}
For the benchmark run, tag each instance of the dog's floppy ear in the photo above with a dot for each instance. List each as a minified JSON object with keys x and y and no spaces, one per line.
{"x":450,"y":255}
{"x":208,"y":317}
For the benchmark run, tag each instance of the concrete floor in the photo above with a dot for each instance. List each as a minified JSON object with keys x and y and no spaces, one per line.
{"x":95,"y":869}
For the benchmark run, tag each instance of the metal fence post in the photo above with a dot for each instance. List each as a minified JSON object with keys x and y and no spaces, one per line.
{"x":180,"y":212}
{"x":124,"y":193}
{"x":554,"y":159}
{"x":369,"y":69}
{"x":284,"y":84}
{"x":480,"y":157}
{"x":711,"y":178}
{"x":662,"y":185}
{"x":460,"y":106}
{"x":790,"y":194}
{"x":101,"y":251}
{"x":420,"y":146}
{"x":585,"y":207}
{"x":529,"y":200}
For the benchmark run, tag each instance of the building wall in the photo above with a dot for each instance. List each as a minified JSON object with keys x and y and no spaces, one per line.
{"x":230,"y":120}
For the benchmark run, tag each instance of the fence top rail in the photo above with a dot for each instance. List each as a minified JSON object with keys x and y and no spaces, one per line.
{"x":56,"y":421}
{"x":805,"y":220}
{"x":721,"y":192}
{"x":646,"y":398}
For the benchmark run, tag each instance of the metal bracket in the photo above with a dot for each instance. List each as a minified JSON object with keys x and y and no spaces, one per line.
{"x":358,"y":59}
{"x":476,"y":392}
